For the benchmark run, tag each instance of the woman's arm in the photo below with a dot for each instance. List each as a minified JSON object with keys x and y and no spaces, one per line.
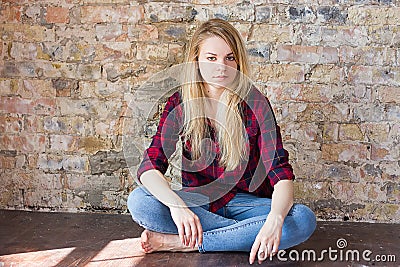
{"x":188,"y":224}
{"x":269,"y":237}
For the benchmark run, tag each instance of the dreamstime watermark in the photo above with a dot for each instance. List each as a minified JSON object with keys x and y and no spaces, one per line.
{"x":340,"y":253}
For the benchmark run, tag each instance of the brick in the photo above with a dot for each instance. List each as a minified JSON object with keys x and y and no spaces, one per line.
{"x":344,"y":35}
{"x":10,"y":123}
{"x":84,"y":32}
{"x":338,"y":172}
{"x":350,"y":132}
{"x":94,"y":144}
{"x":393,"y":112}
{"x":75,"y":164}
{"x":152,"y":52}
{"x":23,"y":143}
{"x":115,"y":51}
{"x":151,"y":33}
{"x":88,"y":72}
{"x":315,"y":112}
{"x":388,"y":94}
{"x":379,"y":153}
{"x":23,"y":51}
{"x":280,"y":73}
{"x":106,"y":1}
{"x":374,"y":75}
{"x":374,"y":15}
{"x":38,"y":88}
{"x":33,"y":14}
{"x":263,"y":13}
{"x":57,"y":15}
{"x":368,"y":113}
{"x":7,"y":162}
{"x":56,"y":124}
{"x":276,"y":33}
{"x":110,"y":14}
{"x":63,"y":143}
{"x":104,"y":90}
{"x":345,"y":93}
{"x":27,"y":33}
{"x":67,"y":125}
{"x":33,"y":124}
{"x":48,"y":162}
{"x":377,"y":133}
{"x":173,"y":12}
{"x":331,"y":14}
{"x":176,"y":53}
{"x":370,"y":172}
{"x":107,"y":162}
{"x":365,"y":55}
{"x":302,"y":14}
{"x":328,"y":73}
{"x":64,"y":87}
{"x":169,"y":32}
{"x":16,"y":105}
{"x":259,"y":52}
{"x":307,"y":135}
{"x":79,"y":52}
{"x":384,"y":35}
{"x":10,"y":14}
{"x":299,"y":92}
{"x":110,"y":32}
{"x":345,"y":152}
{"x":5,"y":87}
{"x":330,"y":132}
{"x":310,"y":54}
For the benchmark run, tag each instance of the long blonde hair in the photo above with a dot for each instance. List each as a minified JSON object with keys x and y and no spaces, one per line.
{"x":232,"y":145}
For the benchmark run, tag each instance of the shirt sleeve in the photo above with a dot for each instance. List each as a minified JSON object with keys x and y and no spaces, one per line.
{"x":274,"y":157}
{"x":163,"y":143}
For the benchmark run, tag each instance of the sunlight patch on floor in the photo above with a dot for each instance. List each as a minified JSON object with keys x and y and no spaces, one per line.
{"x":35,"y":258}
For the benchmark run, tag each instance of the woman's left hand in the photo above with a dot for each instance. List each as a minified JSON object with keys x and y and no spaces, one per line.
{"x":268,"y":239}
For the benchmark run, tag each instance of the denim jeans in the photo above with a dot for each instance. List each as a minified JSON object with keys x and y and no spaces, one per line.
{"x":234,"y":227}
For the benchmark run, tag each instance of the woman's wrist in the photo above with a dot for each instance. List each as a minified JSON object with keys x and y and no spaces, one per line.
{"x":279,"y":217}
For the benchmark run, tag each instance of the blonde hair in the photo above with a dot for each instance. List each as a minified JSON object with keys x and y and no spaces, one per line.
{"x":232,"y":145}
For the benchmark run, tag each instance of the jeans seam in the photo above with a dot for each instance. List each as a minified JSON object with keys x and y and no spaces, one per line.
{"x":147,"y":227}
{"x":213,"y":232}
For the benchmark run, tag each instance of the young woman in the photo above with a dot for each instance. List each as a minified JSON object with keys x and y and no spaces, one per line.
{"x":237,"y":182}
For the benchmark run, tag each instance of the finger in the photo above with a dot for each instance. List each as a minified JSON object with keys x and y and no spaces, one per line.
{"x":199,"y":233}
{"x":262,"y":253}
{"x":275,"y":246}
{"x":194,"y":235}
{"x":181,"y":233}
{"x":188,"y":234}
{"x":253,"y":251}
{"x":274,"y":250}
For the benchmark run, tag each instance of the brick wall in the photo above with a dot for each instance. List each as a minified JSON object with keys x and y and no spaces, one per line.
{"x":331,"y":71}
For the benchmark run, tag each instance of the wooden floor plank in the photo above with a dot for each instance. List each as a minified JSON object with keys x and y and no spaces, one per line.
{"x":83,"y":239}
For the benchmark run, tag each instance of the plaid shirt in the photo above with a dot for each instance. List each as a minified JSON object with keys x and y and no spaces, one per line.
{"x":267,"y":161}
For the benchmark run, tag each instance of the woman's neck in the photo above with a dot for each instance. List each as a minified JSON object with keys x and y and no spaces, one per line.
{"x":213,"y":92}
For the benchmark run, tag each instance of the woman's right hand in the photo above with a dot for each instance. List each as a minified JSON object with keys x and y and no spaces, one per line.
{"x":188,"y":224}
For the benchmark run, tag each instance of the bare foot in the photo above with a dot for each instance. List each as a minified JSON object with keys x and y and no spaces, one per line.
{"x":153,"y":241}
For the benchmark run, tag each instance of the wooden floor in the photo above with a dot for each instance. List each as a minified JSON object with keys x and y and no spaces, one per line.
{"x":66,"y":239}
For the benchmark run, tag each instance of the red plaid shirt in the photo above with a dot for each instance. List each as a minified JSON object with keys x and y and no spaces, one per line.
{"x":267,"y":163}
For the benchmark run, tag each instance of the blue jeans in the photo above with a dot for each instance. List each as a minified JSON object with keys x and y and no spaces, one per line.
{"x":234,"y":227}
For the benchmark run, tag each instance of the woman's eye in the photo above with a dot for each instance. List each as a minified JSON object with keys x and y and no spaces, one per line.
{"x":211,"y":58}
{"x":231,"y":58}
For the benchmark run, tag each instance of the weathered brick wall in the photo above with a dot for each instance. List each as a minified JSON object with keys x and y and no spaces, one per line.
{"x":331,"y":70}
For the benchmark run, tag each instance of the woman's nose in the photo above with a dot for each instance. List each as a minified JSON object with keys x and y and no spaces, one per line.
{"x":221,"y":64}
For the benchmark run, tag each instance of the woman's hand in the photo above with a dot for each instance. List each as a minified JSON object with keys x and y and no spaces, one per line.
{"x":268,"y":239}
{"x":188,"y":224}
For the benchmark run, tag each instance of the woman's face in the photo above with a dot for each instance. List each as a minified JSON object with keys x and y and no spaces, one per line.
{"x":217,"y":63}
